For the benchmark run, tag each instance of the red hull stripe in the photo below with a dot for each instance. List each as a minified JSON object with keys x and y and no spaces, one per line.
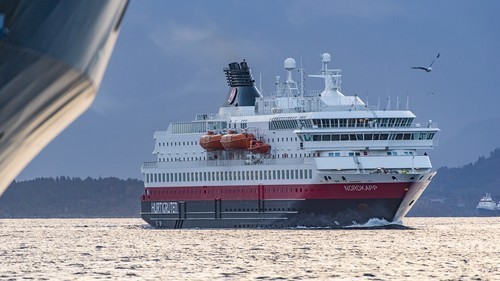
{"x":280,"y":192}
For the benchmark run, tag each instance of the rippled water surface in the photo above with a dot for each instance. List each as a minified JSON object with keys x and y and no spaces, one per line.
{"x":432,"y":248}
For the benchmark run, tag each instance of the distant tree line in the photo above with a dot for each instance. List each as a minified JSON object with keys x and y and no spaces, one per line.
{"x":65,"y":197}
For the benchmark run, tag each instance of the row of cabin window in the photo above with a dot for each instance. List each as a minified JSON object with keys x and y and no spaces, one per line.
{"x":187,"y":191}
{"x":243,"y":125}
{"x":178,"y":143}
{"x":283,"y":139}
{"x":363,"y":122}
{"x":357,"y":137}
{"x":392,"y":153}
{"x":229,"y":176}
{"x":278,"y":155}
{"x":179,"y":159}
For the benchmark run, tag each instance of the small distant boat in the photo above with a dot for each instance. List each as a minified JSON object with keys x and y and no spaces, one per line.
{"x":487,"y":206}
{"x":211,"y":141}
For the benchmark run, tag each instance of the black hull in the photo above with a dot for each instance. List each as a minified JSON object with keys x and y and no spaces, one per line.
{"x":328,"y":213}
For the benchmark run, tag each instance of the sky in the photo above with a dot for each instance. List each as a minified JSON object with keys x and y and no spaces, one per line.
{"x":168,"y":60}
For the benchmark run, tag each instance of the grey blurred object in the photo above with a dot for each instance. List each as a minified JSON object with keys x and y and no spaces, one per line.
{"x":53,"y":55}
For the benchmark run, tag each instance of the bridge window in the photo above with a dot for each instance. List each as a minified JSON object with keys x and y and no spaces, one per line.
{"x":342,"y":122}
{"x":334,"y":123}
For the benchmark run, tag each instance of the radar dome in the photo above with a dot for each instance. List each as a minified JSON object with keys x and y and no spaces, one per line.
{"x":326,"y":57}
{"x":289,"y":64}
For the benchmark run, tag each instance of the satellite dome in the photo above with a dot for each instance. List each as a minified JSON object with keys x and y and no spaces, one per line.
{"x":326,"y":57}
{"x":289,"y":64}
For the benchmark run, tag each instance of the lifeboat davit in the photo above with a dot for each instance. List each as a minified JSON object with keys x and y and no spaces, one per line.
{"x":257,"y":146}
{"x":236,"y":141}
{"x":211,"y":141}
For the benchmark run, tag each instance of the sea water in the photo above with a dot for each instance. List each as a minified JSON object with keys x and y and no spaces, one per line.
{"x":118,"y":249}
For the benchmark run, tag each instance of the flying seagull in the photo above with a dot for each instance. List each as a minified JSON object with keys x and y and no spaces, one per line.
{"x":427,"y":69}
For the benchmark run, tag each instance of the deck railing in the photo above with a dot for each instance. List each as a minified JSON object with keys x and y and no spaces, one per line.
{"x":218,"y":163}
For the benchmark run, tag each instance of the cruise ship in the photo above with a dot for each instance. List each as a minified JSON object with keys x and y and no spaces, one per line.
{"x":291,"y":159}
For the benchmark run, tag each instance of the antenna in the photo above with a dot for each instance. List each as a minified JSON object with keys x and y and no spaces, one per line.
{"x":386,"y":80}
{"x":260,"y":83}
{"x":277,"y":83}
{"x":302,"y":81}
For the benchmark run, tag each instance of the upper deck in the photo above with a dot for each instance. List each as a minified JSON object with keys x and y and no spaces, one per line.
{"x":301,"y":125}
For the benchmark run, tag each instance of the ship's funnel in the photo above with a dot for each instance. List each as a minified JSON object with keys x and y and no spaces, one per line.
{"x":242,"y":89}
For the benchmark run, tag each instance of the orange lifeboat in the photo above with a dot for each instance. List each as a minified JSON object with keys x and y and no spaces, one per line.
{"x":211,"y":141}
{"x":236,"y":141}
{"x":257,"y":146}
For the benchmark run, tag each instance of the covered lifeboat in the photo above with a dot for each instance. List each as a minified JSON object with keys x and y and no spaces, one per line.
{"x":257,"y":146}
{"x":234,"y":140}
{"x":211,"y":141}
